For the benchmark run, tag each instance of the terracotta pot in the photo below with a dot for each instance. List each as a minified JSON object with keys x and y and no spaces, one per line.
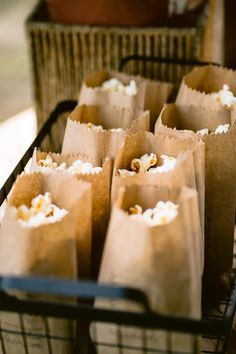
{"x":118,"y":12}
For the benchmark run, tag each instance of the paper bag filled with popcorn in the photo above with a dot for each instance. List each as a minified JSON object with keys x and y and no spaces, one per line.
{"x":145,"y":158}
{"x":98,"y":173}
{"x":39,"y":238}
{"x":217,"y":130}
{"x":125,"y":91}
{"x":157,"y":227}
{"x":209,"y":86}
{"x":99,"y":131}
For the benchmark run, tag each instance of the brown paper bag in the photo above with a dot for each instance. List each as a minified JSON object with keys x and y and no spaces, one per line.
{"x":161,"y":261}
{"x":200,"y":82}
{"x":220,"y":182}
{"x":48,"y":250}
{"x":79,"y":139}
{"x":197,"y":85}
{"x":182,"y":175}
{"x":151,"y":95}
{"x":101,"y":185}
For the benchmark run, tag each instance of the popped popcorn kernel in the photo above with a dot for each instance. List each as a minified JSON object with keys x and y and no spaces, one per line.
{"x":98,"y":128}
{"x":203,"y":132}
{"x":148,"y":213}
{"x":77,"y":166}
{"x":96,"y":170}
{"x":223,"y":128}
{"x":124,"y":172}
{"x":50,"y":210}
{"x":136,"y":165}
{"x":23,"y":212}
{"x":41,"y":211}
{"x":145,"y":163}
{"x":224,"y":96}
{"x":163,"y":213}
{"x":40,"y":202}
{"x":116,"y":85}
{"x":169,"y":164}
{"x":48,"y":162}
{"x":116,"y":130}
{"x":136,"y":209}
{"x":82,"y":167}
{"x":61,"y":167}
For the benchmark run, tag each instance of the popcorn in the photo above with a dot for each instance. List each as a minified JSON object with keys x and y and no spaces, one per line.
{"x":48,"y":162}
{"x":131,"y":89}
{"x":116,"y":130}
{"x":75,"y":167}
{"x":162,"y":213}
{"x":87,"y":167}
{"x":78,"y":166}
{"x":23,"y":212}
{"x":96,"y":170}
{"x":223,"y":128}
{"x":117,"y":86}
{"x":224,"y":96}
{"x":124,"y":172}
{"x":98,"y":128}
{"x":145,"y":163}
{"x":50,"y":210}
{"x":62,"y":167}
{"x":203,"y":132}
{"x":169,"y":164}
{"x":40,"y":203}
{"x":148,"y":213}
{"x":41,"y":212}
{"x":136,"y":209}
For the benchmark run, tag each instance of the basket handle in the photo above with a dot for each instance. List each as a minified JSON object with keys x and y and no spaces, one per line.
{"x":86,"y":313}
{"x":80,"y":289}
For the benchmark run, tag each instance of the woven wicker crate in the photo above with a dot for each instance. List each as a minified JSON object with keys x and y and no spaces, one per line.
{"x":62,"y":54}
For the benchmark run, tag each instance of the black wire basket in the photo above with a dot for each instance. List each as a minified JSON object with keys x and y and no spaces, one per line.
{"x":31,"y":306}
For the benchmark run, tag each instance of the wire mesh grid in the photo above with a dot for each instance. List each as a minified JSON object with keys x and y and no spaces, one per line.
{"x":37,"y":326}
{"x":16,"y":333}
{"x":129,"y":340}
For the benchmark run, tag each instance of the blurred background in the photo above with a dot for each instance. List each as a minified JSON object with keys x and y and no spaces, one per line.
{"x":17,"y":117}
{"x":15,"y":93}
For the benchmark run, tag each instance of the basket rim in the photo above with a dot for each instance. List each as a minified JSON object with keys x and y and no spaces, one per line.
{"x":35,"y":20}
